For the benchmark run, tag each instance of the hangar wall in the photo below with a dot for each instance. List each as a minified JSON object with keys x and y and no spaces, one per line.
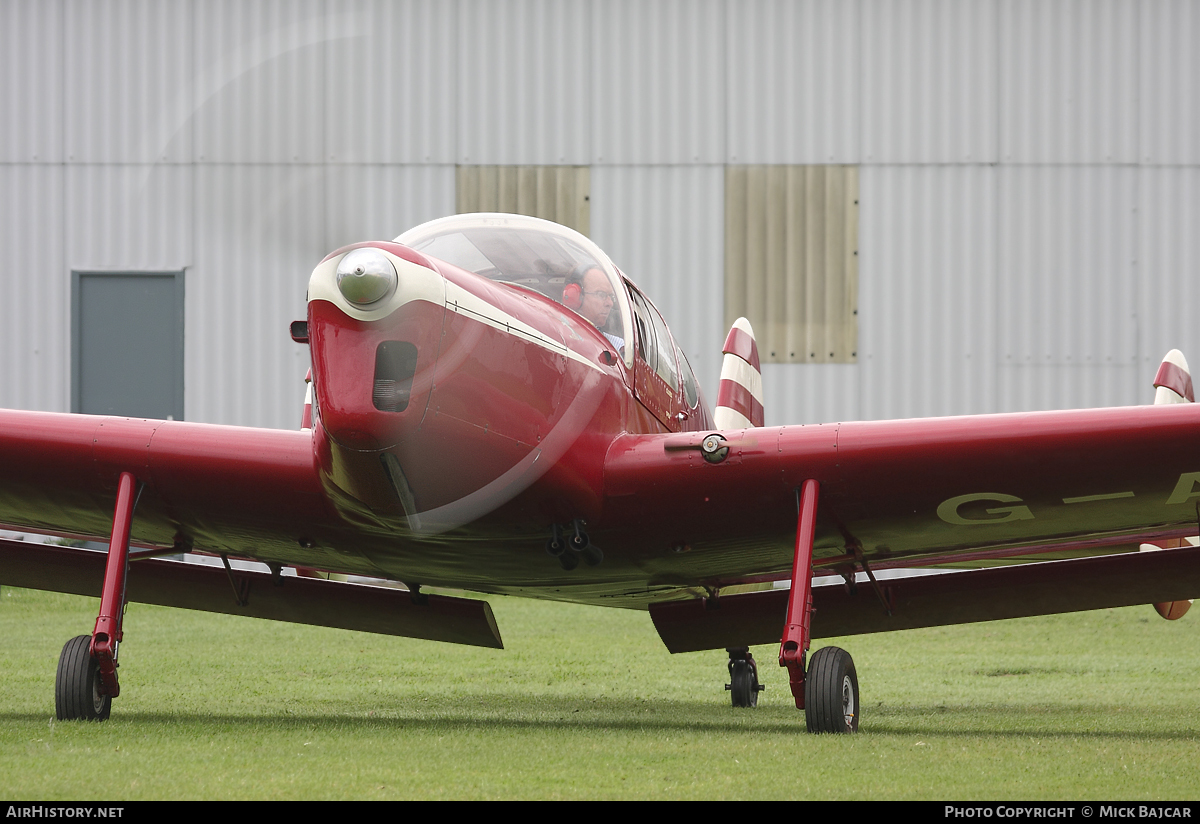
{"x":1029,"y":176}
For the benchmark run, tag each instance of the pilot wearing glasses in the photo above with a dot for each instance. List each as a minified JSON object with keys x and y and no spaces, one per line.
{"x":589,"y":293}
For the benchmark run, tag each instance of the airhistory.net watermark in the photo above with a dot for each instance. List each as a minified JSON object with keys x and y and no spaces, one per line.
{"x":47,"y":811}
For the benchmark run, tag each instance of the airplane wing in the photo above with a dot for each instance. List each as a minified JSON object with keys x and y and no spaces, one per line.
{"x":983,"y":490}
{"x":222,"y":488}
{"x":246,"y":492}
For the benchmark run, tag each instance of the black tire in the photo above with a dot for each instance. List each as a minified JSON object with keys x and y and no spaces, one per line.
{"x":831,"y":692}
{"x":77,"y":685}
{"x":743,"y":684}
{"x":579,"y":542}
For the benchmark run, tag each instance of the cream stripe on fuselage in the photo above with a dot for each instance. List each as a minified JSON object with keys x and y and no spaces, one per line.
{"x":470,"y":305}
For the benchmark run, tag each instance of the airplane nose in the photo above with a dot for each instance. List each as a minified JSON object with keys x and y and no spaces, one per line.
{"x":372,"y":380}
{"x":375,"y":320}
{"x":374,"y":352}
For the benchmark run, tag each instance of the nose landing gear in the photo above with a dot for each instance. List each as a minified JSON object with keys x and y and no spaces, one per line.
{"x":573,"y":538}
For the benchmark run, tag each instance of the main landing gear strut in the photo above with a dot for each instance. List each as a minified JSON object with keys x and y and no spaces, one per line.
{"x":86,"y":682}
{"x":828,"y":691}
{"x":827,"y":688}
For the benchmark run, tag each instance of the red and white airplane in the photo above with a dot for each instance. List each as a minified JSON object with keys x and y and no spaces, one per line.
{"x":494,"y":407}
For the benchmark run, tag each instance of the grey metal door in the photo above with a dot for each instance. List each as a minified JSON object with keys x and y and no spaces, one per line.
{"x":127,"y":344}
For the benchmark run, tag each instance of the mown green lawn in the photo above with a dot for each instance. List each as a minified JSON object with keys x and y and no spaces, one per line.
{"x":587,"y":703}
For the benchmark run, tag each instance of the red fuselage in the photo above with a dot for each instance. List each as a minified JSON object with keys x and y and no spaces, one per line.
{"x":514,"y":402}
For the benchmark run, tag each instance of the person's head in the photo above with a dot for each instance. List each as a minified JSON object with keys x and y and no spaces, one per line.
{"x":589,"y":293}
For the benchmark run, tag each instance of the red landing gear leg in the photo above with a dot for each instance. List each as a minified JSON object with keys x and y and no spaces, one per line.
{"x":796,"y":635}
{"x":86,"y":681}
{"x":828,"y":692}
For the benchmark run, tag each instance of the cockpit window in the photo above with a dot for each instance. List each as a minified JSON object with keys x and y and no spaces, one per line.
{"x":528,"y":252}
{"x":457,"y":249}
{"x":691,"y":390}
{"x":532,"y":259}
{"x":654,"y":341}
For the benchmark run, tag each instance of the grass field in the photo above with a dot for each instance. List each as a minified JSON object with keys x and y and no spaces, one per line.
{"x":587,"y":703}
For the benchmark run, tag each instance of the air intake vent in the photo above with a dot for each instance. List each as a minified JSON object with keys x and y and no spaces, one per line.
{"x":395,"y":363}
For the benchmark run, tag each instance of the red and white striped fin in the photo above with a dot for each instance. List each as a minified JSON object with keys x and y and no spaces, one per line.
{"x":1173,"y":383}
{"x":306,"y":418}
{"x":740,"y":395}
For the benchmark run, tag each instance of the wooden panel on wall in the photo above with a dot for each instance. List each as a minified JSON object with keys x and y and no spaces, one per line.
{"x":791,"y":260}
{"x":558,"y":193}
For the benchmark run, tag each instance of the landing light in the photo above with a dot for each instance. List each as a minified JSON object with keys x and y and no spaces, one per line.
{"x":366,"y":276}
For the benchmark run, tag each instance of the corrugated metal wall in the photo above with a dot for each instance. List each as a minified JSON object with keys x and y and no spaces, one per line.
{"x":664,"y":227}
{"x":1029,"y":175}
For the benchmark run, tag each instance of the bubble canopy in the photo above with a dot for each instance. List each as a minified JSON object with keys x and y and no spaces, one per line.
{"x":526,"y":251}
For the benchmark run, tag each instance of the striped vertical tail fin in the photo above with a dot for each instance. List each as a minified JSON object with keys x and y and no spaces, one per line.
{"x":740,"y":395}
{"x":306,"y":416}
{"x":1173,"y":384}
